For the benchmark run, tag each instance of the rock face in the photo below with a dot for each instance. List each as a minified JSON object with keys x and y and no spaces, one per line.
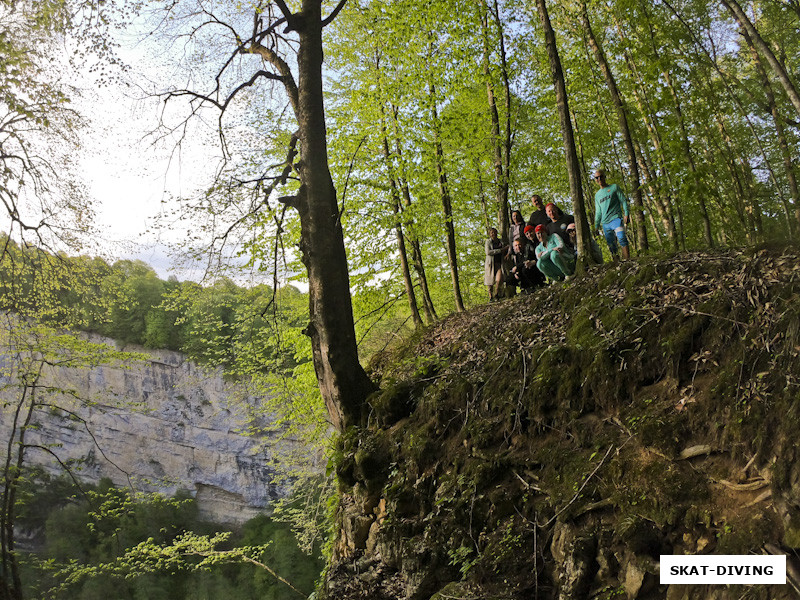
{"x":161,"y":424}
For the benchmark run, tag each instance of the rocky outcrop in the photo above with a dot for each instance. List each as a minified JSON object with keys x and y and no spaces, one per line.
{"x":160,"y":424}
{"x":555,"y":446}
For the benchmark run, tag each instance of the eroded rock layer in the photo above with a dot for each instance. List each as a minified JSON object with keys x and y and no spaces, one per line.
{"x":161,"y":424}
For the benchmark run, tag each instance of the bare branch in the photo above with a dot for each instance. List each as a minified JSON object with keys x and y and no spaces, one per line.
{"x":327,"y":21}
{"x":283,"y":68}
{"x":293,"y":21}
{"x":85,"y":423}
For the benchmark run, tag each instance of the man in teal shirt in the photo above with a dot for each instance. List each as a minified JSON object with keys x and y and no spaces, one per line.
{"x":611,"y":211}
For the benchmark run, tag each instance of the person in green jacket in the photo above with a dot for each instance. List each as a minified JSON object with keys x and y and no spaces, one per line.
{"x":611,"y":211}
{"x":553,"y":257}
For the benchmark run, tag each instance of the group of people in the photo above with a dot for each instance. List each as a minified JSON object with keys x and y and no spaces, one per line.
{"x":545,"y":247}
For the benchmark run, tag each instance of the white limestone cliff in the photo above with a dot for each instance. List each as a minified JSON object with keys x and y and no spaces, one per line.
{"x":162,"y":424}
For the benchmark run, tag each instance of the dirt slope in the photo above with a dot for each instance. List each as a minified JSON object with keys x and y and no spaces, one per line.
{"x":555,"y":446}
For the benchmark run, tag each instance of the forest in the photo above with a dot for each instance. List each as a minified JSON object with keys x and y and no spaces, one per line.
{"x":361,"y":151}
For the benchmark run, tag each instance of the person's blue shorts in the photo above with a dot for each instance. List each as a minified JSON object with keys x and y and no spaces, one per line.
{"x":614,"y":232}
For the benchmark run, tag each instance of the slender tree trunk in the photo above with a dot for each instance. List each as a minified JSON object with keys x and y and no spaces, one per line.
{"x":662,"y":207}
{"x":10,"y":580}
{"x":396,"y":208}
{"x":501,"y":146}
{"x":343,"y":383}
{"x":398,"y":229}
{"x":484,"y":204}
{"x":742,"y":179}
{"x":650,"y":118}
{"x":687,"y":153}
{"x":792,"y":213}
{"x":444,"y":194}
{"x":779,"y":70}
{"x":738,"y":191}
{"x":587,"y":195}
{"x":413,"y":238}
{"x":685,"y":144}
{"x":571,"y":155}
{"x":622,"y":117}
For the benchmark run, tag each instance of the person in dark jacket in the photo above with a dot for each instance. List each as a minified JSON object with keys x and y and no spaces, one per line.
{"x":539,"y":214}
{"x":523,"y":262}
{"x":558,"y":221}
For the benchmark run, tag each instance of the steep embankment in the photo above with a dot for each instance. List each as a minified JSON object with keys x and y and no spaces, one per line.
{"x":555,"y":446}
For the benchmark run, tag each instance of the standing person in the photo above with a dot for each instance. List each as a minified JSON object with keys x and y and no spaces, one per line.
{"x":493,"y":267}
{"x":558,"y":221}
{"x":611,"y":211}
{"x":516,"y":231}
{"x":539,"y":214}
{"x":554,"y":258}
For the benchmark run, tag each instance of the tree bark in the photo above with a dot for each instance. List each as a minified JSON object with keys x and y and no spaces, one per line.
{"x":695,"y":182}
{"x":398,"y":229}
{"x":416,"y":249}
{"x":662,"y":206}
{"x":622,"y":117}
{"x":444,"y":195}
{"x":501,"y":144}
{"x":571,"y":154}
{"x":396,"y":208}
{"x":793,"y":220}
{"x":763,"y":47}
{"x":651,"y":122}
{"x":343,"y":383}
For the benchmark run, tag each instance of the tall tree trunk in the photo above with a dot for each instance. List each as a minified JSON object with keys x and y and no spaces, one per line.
{"x":651,"y":121}
{"x":396,"y":207}
{"x":792,"y":214}
{"x":571,"y":155}
{"x":662,"y":206}
{"x":343,"y":383}
{"x":622,"y":117}
{"x":685,"y":144}
{"x":444,"y":194}
{"x":779,"y":70}
{"x":10,"y":580}
{"x":687,"y":153}
{"x":587,"y":195}
{"x":482,"y":195}
{"x":738,"y":191}
{"x":501,"y":145}
{"x":413,"y":238}
{"x":742,"y":175}
{"x":398,"y":230}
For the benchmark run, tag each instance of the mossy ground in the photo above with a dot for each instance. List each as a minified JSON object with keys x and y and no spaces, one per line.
{"x":573,"y":406}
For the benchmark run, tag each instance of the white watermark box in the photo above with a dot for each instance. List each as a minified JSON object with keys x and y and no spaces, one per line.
{"x":723,"y":569}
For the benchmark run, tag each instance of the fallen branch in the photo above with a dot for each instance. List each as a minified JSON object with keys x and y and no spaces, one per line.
{"x":595,"y":506}
{"x":749,"y":486}
{"x":693,"y":451}
{"x":760,"y":499}
{"x":578,"y":493}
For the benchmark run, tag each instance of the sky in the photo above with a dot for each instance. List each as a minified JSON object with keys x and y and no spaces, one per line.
{"x":134,"y":178}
